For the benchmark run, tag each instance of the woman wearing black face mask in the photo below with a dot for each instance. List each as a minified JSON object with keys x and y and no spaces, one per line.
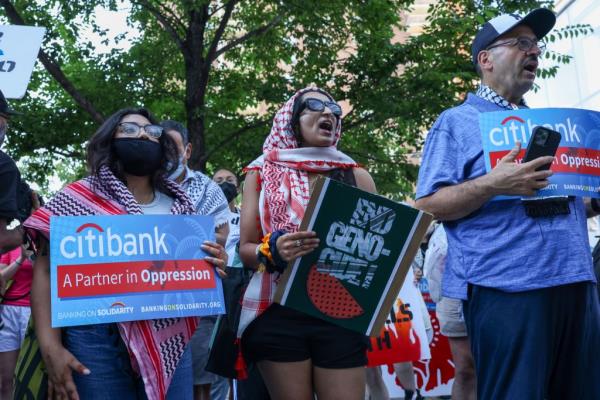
{"x":229,"y":190}
{"x":127,"y":159}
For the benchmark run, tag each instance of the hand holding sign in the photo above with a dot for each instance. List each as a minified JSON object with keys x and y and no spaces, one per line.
{"x":293,"y":245}
{"x":350,"y":273}
{"x":219,"y":259}
{"x":510,"y":178}
{"x":576,"y":163}
{"x":134,"y":267}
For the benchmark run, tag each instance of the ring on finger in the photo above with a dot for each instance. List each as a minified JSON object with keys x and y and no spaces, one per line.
{"x":299,"y":243}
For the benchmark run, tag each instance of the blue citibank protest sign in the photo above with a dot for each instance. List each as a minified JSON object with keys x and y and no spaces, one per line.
{"x":131,"y":267}
{"x":576,"y":165}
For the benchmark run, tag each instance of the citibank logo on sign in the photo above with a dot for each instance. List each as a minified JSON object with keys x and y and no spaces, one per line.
{"x":92,"y":241}
{"x":515,"y":128}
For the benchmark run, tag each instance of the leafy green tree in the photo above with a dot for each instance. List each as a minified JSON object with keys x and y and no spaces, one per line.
{"x":224,"y":67}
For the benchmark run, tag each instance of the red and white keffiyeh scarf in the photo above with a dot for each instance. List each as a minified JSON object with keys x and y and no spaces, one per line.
{"x":155,"y":346}
{"x":284,"y":195}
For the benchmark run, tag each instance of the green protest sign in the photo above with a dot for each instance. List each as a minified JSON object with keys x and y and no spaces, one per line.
{"x":367,"y":243}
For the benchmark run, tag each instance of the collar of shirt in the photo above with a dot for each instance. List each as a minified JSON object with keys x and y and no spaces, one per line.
{"x":189,"y":175}
{"x":489,"y":94}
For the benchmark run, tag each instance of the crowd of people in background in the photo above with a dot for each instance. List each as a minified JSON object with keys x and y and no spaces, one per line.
{"x":513,"y":281}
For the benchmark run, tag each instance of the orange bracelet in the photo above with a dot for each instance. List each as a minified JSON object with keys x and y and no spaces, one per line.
{"x":264,"y":248}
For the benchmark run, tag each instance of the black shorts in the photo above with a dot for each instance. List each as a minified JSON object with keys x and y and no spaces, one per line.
{"x":282,"y":334}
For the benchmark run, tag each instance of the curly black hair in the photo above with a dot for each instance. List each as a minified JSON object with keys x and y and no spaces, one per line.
{"x":100,"y":150}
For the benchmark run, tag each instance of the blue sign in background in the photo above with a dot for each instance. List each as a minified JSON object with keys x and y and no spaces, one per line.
{"x":182,"y":235}
{"x":577,"y":163}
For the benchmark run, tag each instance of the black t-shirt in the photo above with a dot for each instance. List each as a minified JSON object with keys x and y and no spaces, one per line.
{"x":9,"y":181}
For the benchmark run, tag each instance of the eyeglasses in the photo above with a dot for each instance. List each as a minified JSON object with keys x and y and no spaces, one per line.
{"x":132,"y":129}
{"x":524,"y":44}
{"x":319,"y":105}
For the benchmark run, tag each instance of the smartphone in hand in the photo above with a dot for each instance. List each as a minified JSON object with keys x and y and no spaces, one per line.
{"x":543,"y":142}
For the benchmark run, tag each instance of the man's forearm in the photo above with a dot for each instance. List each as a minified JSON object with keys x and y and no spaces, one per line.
{"x":457,"y":201}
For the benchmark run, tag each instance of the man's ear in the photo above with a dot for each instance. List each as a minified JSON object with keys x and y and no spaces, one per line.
{"x":485,"y":60}
{"x":188,"y":152}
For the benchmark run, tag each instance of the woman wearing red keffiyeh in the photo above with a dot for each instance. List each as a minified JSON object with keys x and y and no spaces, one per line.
{"x":127,"y":157}
{"x":297,"y":355}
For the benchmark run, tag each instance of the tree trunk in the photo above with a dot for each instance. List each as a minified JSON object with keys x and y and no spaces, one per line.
{"x":195,"y":125}
{"x":196,"y":71}
{"x":194,"y":108}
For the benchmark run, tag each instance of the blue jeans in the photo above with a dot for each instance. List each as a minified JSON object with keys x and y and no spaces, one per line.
{"x":219,"y":389}
{"x":100,"y":348}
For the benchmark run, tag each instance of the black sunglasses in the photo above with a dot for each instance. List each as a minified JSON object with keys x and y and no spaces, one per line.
{"x":133,"y":129}
{"x":319,"y":105}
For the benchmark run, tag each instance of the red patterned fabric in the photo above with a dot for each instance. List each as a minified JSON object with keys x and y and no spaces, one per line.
{"x":155,"y":346}
{"x":283,"y":169}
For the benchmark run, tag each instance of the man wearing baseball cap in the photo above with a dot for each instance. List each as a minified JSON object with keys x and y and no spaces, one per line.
{"x":522,"y":269}
{"x":10,"y":179}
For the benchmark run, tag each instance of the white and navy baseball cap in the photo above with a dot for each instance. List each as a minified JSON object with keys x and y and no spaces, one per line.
{"x":540,"y":21}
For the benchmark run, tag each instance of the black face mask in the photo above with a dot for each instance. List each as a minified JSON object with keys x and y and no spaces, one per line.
{"x":229,"y":190}
{"x":139,"y":157}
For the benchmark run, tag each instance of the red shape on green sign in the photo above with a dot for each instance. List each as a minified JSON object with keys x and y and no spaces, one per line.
{"x":330,"y":297}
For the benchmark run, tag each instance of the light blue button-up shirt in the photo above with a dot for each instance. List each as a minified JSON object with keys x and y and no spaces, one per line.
{"x":498,"y":246}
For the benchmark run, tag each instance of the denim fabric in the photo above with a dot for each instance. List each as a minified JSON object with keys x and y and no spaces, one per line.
{"x":200,"y":350}
{"x":219,"y":390}
{"x":101,"y":349}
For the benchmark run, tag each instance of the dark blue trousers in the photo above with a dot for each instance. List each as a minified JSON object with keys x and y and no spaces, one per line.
{"x":535,"y":345}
